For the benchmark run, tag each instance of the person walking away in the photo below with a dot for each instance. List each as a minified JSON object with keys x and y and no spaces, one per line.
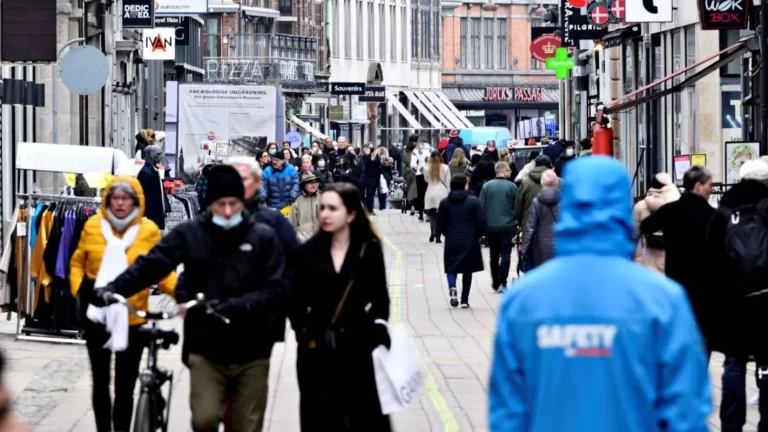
{"x":305,"y":211}
{"x":397,"y":157}
{"x":539,"y":238}
{"x":525,"y":196}
{"x":438,"y":177}
{"x":473,"y":162}
{"x":592,"y":318}
{"x":117,"y":235}
{"x":684,"y":223}
{"x":497,"y":199}
{"x":409,"y":175}
{"x":490,"y":150}
{"x":650,"y":248}
{"x":387,"y":165}
{"x":485,"y":171}
{"x":281,"y":182}
{"x":523,"y":174}
{"x":461,"y":219}
{"x":238,"y":265}
{"x":339,"y":295}
{"x":568,"y":155}
{"x":739,"y":325}
{"x":151,"y":178}
{"x":585,"y":147}
{"x":459,"y":163}
{"x":372,"y":176}
{"x":454,"y":143}
{"x":419,"y":161}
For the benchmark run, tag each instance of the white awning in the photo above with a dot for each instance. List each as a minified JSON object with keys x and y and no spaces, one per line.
{"x":423,"y":110}
{"x":428,"y":110}
{"x":403,"y":111}
{"x":307,"y":128}
{"x":455,"y":110}
{"x":456,"y":123}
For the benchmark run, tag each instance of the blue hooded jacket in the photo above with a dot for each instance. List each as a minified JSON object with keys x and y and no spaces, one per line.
{"x":615,"y":348}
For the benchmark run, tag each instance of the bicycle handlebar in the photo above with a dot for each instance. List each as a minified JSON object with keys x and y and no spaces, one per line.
{"x":157,"y":316}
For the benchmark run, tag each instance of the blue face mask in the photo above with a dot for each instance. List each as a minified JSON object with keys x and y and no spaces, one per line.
{"x":272,"y":151}
{"x":227,"y":224}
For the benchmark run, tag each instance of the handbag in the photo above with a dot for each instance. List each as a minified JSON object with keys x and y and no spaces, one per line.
{"x":397,"y":370}
{"x":383,"y":188}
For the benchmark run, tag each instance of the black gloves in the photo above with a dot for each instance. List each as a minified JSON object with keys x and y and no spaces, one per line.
{"x":380,"y":335}
{"x":98,"y":296}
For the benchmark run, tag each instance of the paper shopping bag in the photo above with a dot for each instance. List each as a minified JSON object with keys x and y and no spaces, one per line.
{"x":399,"y":378}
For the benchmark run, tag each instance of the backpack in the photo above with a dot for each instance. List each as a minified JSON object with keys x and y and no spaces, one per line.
{"x":746,"y":248}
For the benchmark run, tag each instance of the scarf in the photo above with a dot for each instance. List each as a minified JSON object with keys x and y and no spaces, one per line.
{"x":114,"y":262}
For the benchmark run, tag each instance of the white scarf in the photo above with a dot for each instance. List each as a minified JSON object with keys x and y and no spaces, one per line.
{"x":114,"y":262}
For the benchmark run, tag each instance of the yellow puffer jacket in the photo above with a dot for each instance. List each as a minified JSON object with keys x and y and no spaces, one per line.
{"x":90,"y":251}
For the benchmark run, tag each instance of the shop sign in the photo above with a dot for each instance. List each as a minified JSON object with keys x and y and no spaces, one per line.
{"x":544,"y":47}
{"x":181,"y":7}
{"x":347,"y":88}
{"x":602,"y":13}
{"x":180,"y":24}
{"x":336,"y":112}
{"x":158,"y":44}
{"x":577,"y":27}
{"x":514,"y":94}
{"x":374,"y":94}
{"x":473,"y":113}
{"x":724,"y":14}
{"x":251,"y":70}
{"x":138,"y":14}
{"x":649,"y":11}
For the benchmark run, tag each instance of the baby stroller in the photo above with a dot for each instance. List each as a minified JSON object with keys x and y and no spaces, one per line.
{"x":398,"y":195}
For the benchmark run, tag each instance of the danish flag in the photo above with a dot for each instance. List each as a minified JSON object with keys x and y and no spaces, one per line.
{"x":617,"y":9}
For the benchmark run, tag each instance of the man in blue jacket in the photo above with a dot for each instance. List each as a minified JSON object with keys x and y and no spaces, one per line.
{"x":281,"y":183}
{"x":590,"y":341}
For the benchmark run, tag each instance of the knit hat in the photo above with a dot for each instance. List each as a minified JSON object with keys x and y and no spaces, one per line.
{"x":754,"y":170}
{"x":549,"y":179}
{"x":280,"y":154}
{"x":454,"y":133}
{"x":544,"y":160}
{"x":224,"y":182}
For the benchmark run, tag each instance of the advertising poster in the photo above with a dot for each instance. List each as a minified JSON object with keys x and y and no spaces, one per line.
{"x":736,"y":153}
{"x":243,"y":116}
{"x":682,"y":164}
{"x":731,"y":116}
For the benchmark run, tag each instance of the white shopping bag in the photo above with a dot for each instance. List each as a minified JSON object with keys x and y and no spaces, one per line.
{"x":399,"y":378}
{"x":383,"y":187}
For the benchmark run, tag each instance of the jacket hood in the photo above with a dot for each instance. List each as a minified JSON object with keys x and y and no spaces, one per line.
{"x":133,"y":182}
{"x":535,"y":174}
{"x":595,"y":210}
{"x":658,"y":197}
{"x":549,"y":196}
{"x":457,"y":197}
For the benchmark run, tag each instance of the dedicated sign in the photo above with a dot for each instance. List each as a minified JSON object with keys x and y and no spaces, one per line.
{"x":724,"y":14}
{"x":138,"y":14}
{"x":650,"y":11}
{"x":180,"y":24}
{"x":181,"y":7}
{"x":348,"y":88}
{"x":544,"y":47}
{"x":158,"y":44}
{"x":374,"y":94}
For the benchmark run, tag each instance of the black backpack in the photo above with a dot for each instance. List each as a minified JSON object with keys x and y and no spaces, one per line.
{"x":746,"y":248}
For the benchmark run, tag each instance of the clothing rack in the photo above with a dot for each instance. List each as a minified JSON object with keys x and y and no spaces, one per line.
{"x":30,"y":332}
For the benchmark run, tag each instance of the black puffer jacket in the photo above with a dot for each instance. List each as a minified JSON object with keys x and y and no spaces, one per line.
{"x":539,"y":237}
{"x":242,"y":267}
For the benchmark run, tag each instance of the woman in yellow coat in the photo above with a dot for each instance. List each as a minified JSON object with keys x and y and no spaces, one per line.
{"x":112,"y":240}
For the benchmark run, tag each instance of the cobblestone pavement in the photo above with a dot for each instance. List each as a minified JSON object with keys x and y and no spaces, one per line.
{"x":51,"y":382}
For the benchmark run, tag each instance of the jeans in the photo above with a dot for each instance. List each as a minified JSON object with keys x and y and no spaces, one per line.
{"x":733,"y":407}
{"x":370,"y":194}
{"x":466,"y":284}
{"x":126,"y":372}
{"x":500,"y":245}
{"x":209,"y":385}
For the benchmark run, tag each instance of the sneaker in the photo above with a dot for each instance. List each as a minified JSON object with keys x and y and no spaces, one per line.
{"x":465,"y":305}
{"x":454,"y":298}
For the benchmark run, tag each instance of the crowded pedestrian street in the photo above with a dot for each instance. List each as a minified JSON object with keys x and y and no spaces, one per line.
{"x":52,"y":384}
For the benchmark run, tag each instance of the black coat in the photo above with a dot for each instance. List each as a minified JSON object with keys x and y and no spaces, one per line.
{"x":372,"y":171}
{"x":397,"y":156}
{"x":484,"y":171}
{"x":460,"y":217}
{"x":155,"y":200}
{"x":739,"y":325}
{"x":684,"y":223}
{"x":242,"y":267}
{"x":338,"y":384}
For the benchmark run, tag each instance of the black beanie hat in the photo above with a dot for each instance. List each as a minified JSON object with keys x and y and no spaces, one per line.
{"x":224,"y":181}
{"x":544,"y":160}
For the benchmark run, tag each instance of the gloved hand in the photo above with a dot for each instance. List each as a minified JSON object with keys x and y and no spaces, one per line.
{"x":380,"y":335}
{"x":219,"y":306}
{"x":98,"y":296}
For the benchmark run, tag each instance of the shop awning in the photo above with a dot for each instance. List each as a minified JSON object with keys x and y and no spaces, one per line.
{"x":438,"y":121}
{"x":412,"y":122}
{"x":616,"y":37}
{"x":455,"y":110}
{"x":307,"y":128}
{"x":456,"y":123}
{"x":655,"y":91}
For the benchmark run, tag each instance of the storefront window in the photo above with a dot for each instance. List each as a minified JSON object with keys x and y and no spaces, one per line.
{"x":677,"y":64}
{"x":728,"y":38}
{"x":642,"y":150}
{"x":629,"y":69}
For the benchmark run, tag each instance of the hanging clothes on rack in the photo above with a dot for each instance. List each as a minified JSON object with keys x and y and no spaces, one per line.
{"x":184,"y":207}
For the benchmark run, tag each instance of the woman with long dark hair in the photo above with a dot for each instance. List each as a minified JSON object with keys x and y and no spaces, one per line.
{"x":408,"y":175}
{"x":339,"y":295}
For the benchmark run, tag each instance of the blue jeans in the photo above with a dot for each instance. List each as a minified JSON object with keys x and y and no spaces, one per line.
{"x":466,"y":283}
{"x":733,"y":407}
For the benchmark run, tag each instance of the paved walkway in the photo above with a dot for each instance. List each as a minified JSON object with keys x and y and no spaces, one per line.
{"x":52,"y":382}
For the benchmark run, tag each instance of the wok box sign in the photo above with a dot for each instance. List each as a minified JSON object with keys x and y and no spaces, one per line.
{"x":724,"y":14}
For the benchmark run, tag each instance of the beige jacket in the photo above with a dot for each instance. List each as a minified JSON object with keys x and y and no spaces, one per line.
{"x":652,"y":258}
{"x":305,"y":214}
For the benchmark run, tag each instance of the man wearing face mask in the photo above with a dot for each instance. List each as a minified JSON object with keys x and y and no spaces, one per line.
{"x":568,"y":155}
{"x":238,"y":264}
{"x":151,"y":178}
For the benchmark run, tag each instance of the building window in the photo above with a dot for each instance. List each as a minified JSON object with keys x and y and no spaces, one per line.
{"x":335,"y":17}
{"x":414,"y":30}
{"x":535,"y":64}
{"x":359,"y":27}
{"x":284,"y":6}
{"x":629,"y":70}
{"x":212,"y":38}
{"x":371,"y":33}
{"x":488,"y":44}
{"x":727,"y":39}
{"x":503,"y":47}
{"x":382,"y":32}
{"x":436,"y":22}
{"x":677,"y":102}
{"x":403,"y":33}
{"x":393,"y":33}
{"x":347,"y":25}
{"x":463,"y":42}
{"x":475,"y":43}
{"x":690,"y":49}
{"x":285,"y":28}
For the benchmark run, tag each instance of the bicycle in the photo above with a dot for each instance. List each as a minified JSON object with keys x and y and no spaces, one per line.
{"x":152,"y":410}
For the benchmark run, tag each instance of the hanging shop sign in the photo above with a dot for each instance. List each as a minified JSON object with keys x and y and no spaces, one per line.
{"x":158,"y":44}
{"x":577,"y":27}
{"x":724,"y":14}
{"x":650,"y":11}
{"x":347,"y":88}
{"x":181,"y":7}
{"x":138,"y":14}
{"x":560,"y":63}
{"x":603,"y":13}
{"x":543,"y":47}
{"x":180,"y":24}
{"x":374,"y":94}
{"x":514,"y":94}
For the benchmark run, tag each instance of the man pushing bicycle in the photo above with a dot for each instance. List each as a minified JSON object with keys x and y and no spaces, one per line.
{"x":238,"y":265}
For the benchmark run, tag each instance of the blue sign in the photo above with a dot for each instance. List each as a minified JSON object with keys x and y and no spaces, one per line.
{"x":294,"y":138}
